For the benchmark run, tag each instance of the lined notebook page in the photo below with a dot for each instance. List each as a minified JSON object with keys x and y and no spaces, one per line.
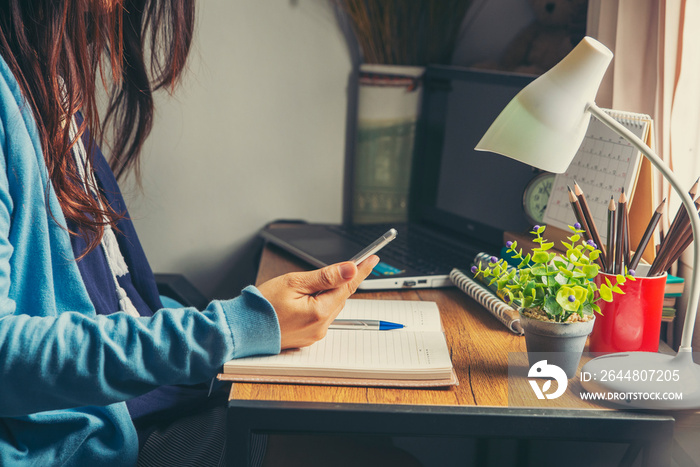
{"x":603,"y":165}
{"x":414,"y":315}
{"x":418,"y":351}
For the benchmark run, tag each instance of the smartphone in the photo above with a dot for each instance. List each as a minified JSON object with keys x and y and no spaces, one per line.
{"x":374,"y":247}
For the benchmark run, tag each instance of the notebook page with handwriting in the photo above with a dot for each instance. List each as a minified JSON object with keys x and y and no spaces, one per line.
{"x":416,"y":352}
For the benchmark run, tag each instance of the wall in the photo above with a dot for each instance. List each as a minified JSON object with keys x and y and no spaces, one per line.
{"x":256,"y":132}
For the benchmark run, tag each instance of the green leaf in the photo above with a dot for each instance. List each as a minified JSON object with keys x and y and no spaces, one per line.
{"x":540,"y":257}
{"x":529,"y":289}
{"x":551,"y":307}
{"x":571,"y":298}
{"x":590,"y":270}
{"x":605,"y":293}
{"x":566,"y":273}
{"x":525,"y":262}
{"x":587,"y":309}
{"x":575,"y":238}
{"x":594,"y":255}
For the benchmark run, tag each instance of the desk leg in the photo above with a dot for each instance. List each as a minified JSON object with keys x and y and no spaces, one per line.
{"x":238,"y":442}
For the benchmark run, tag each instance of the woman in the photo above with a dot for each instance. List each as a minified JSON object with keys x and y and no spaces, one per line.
{"x":90,"y":365}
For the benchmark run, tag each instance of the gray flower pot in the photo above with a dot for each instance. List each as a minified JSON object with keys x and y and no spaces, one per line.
{"x":560,"y":344}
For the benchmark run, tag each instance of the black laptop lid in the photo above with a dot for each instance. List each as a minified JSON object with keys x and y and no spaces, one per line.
{"x":470,"y":193}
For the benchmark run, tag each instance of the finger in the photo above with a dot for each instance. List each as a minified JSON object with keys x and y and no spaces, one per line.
{"x":327,"y":278}
{"x":364,"y":269}
{"x":340,"y":294}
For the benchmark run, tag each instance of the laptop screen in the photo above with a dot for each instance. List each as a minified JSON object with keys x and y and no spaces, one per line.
{"x":473,"y":193}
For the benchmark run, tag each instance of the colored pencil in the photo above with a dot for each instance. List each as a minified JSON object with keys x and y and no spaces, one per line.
{"x":653,"y":222}
{"x":610,"y":265}
{"x":593,"y":229}
{"x":626,"y":230}
{"x":620,"y":233}
{"x":694,"y":189}
{"x":685,"y":239}
{"x":670,"y":241}
{"x":580,"y":218}
{"x":673,"y":238}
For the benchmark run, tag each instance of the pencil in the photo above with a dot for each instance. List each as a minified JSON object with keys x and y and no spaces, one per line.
{"x":626,"y":230}
{"x":576,"y":206}
{"x":609,"y":267}
{"x":593,"y":229}
{"x":694,"y":189}
{"x":581,"y":219}
{"x":685,"y":239}
{"x":653,"y":222}
{"x":620,"y":233}
{"x":672,"y":239}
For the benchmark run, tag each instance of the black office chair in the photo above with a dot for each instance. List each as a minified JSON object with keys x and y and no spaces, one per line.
{"x":178,"y":288}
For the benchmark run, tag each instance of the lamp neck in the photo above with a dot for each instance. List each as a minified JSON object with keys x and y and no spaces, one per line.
{"x":694,"y":290}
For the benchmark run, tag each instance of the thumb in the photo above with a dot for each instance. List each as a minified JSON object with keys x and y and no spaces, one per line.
{"x":328,"y":278}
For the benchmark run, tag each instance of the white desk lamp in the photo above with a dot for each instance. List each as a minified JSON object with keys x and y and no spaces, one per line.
{"x":544,"y":126}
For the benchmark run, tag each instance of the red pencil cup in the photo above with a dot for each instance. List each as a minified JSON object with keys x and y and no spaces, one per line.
{"x":631,"y":322}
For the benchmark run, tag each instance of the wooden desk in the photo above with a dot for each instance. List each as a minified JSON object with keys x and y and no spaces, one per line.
{"x":478,"y":406}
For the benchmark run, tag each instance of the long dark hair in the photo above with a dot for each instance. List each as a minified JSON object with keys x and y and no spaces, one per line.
{"x":62,"y":51}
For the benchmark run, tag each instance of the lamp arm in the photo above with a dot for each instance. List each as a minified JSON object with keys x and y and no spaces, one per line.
{"x":694,"y":292}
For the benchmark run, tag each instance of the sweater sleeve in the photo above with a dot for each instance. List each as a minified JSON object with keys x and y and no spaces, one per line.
{"x":74,"y":360}
{"x":55,"y":352}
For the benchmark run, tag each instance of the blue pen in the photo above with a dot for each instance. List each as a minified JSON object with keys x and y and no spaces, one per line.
{"x":364,"y":324}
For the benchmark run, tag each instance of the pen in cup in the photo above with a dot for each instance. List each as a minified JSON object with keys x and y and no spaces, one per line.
{"x":364,"y":325}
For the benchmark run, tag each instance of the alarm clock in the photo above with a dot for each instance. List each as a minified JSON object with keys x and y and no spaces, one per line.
{"x":536,"y":196}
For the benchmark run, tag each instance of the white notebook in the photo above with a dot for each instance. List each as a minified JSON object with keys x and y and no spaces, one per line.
{"x":416,"y":352}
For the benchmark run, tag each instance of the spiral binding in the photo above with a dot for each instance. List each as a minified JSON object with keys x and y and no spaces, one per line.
{"x":496,"y":306}
{"x":628,"y":118}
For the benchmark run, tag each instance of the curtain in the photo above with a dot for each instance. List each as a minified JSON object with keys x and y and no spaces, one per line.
{"x":656,"y":70}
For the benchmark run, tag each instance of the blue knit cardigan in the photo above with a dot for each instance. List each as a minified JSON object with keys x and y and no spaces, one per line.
{"x":65,"y":371}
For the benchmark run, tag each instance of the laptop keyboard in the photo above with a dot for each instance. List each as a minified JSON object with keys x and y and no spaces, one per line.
{"x":415,"y":249}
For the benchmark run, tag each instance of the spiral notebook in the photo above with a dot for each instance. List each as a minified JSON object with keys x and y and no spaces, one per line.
{"x":604,"y":164}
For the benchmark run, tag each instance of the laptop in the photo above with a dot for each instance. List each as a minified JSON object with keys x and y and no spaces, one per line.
{"x":460,"y":201}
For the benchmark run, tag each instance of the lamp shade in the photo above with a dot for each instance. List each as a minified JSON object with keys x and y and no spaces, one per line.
{"x":544,"y":124}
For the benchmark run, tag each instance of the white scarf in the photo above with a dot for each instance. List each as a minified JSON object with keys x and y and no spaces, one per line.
{"x":109,"y":243}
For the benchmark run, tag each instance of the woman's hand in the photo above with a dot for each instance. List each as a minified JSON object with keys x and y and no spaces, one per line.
{"x":307,"y":302}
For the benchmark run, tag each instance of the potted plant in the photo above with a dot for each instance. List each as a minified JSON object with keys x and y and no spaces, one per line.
{"x":555,"y":294}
